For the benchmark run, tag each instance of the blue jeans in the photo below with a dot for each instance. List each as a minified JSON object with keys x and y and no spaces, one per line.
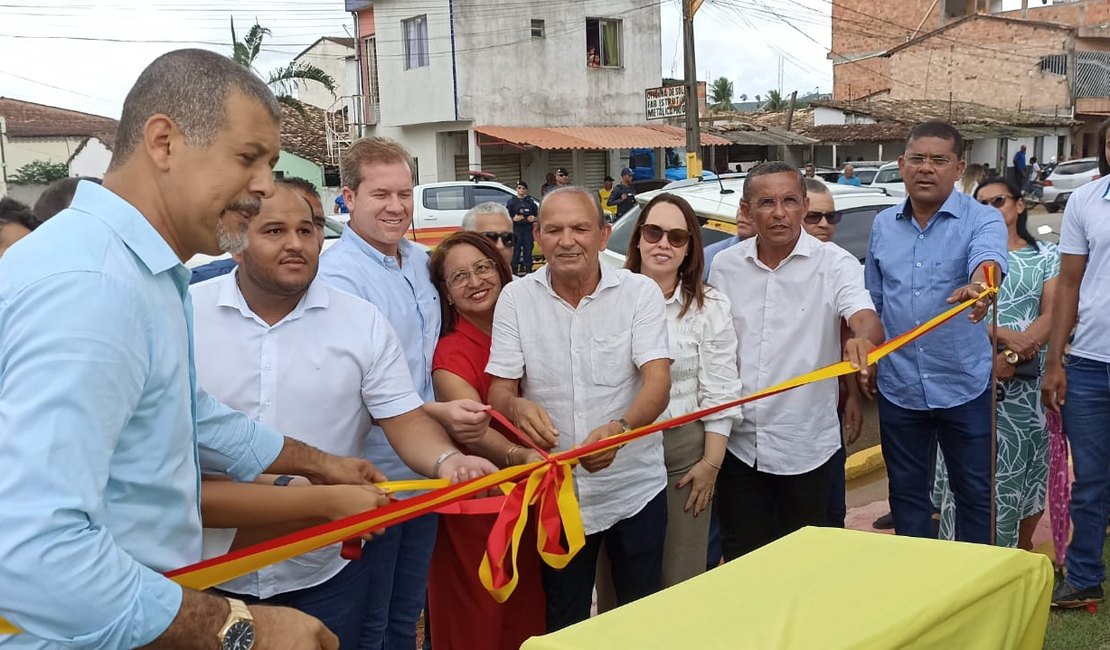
{"x":398,"y":583}
{"x":1086,"y":414}
{"x":339,"y":603}
{"x":522,"y":248}
{"x":909,"y":441}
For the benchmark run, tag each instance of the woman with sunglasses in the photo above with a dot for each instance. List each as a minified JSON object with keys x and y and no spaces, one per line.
{"x":1024,"y":320}
{"x":666,"y":246}
{"x":469,"y":273}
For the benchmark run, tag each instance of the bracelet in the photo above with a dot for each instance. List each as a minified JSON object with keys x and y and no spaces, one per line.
{"x":442,"y":457}
{"x":706,"y":461}
{"x":509,"y":454}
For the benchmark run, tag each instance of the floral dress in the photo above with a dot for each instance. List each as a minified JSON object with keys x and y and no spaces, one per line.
{"x":1022,"y":465}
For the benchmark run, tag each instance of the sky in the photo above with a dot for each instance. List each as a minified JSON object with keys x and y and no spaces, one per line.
{"x":85,"y":56}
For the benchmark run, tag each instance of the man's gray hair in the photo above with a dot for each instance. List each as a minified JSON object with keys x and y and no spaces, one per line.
{"x":815,"y":186}
{"x":489,"y":207}
{"x":191,"y":87}
{"x":575,"y":189}
{"x":771,"y":167}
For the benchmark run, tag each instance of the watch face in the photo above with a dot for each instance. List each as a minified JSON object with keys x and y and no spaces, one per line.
{"x":240,"y":636}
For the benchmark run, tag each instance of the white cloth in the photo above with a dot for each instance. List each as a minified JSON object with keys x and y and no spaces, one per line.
{"x":788,"y":323}
{"x":703,"y":346}
{"x":1086,"y":231}
{"x":582,"y":365}
{"x":318,"y":375}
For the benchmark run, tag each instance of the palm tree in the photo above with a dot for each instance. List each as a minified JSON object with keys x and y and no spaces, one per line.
{"x":282,"y":80}
{"x":775,"y":102}
{"x":720,"y":94}
{"x":743,"y":97}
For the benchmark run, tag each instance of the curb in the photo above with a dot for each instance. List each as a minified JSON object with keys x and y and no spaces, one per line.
{"x":864,"y":462}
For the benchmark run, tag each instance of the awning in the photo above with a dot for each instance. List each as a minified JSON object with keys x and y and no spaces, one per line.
{"x":595,"y":137}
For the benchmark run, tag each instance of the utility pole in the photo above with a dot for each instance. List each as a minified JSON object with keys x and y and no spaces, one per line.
{"x":693,"y":131}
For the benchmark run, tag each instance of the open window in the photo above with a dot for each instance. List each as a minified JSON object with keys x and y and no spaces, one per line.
{"x":604,"y":43}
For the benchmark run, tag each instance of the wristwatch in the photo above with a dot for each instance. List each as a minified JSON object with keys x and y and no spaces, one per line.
{"x":238,"y":631}
{"x":1011,"y":356}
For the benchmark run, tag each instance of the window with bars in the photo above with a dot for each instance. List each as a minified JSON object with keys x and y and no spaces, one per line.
{"x":604,"y":43}
{"x":537,"y":28}
{"x":415,"y":30}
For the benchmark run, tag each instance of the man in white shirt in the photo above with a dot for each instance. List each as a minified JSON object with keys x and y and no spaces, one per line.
{"x":788,"y":292}
{"x":317,"y":364}
{"x":586,"y":346}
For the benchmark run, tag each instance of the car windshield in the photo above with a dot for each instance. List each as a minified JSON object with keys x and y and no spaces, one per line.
{"x":889,"y":175}
{"x":866,"y":176}
{"x":332,"y":229}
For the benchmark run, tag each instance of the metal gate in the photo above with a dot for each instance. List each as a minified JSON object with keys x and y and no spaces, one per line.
{"x":595,"y":166}
{"x":506,"y":166}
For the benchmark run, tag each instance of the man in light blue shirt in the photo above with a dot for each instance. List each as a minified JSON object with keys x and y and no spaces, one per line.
{"x":374,"y":261}
{"x":848,"y":177}
{"x":103,"y":428}
{"x":926,"y":254}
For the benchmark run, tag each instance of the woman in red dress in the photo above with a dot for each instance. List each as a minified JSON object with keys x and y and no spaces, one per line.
{"x":469,"y":273}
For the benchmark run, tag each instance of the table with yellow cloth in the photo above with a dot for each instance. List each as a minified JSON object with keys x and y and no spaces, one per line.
{"x":834,"y":588}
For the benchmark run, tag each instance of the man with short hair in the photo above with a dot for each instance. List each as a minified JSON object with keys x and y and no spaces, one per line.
{"x":562,"y":179}
{"x":585,"y":347}
{"x":811,"y":171}
{"x":745,"y":228}
{"x":105,"y":428}
{"x":789,"y":293}
{"x":271,"y":338}
{"x":57,"y":196}
{"x":603,"y":194}
{"x":374,"y":261}
{"x":925,"y":254}
{"x":848,"y":177}
{"x":492,"y":221}
{"x":524,"y":211}
{"x":623,"y":196}
{"x":16,"y":222}
{"x":1020,"y":167}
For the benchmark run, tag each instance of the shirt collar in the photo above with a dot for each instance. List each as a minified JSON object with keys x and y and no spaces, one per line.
{"x":404,"y":248}
{"x":804,"y":247}
{"x":132,"y":227}
{"x":1106,"y":192}
{"x":471,"y":332}
{"x":609,"y":278}
{"x":676,"y":296}
{"x":231,"y":297}
{"x":951,"y":206}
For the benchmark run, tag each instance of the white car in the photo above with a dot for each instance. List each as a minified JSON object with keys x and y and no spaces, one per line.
{"x":438,"y":208}
{"x":333,"y":229}
{"x":1065,"y":179}
{"x":717,"y":214}
{"x":889,"y":178}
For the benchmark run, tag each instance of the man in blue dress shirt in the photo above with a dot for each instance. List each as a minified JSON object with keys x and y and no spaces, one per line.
{"x":103,"y":428}
{"x":927,"y":253}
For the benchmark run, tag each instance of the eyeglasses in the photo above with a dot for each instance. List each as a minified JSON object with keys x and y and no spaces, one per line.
{"x":918,"y":160}
{"x":560,"y":174}
{"x":788,"y":203}
{"x":815,"y":217}
{"x":996,"y":201}
{"x":505,"y":237}
{"x":483,"y":269}
{"x":677,"y":237}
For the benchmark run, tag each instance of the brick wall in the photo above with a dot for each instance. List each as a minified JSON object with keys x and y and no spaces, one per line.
{"x":989,"y":62}
{"x":1080,"y":14}
{"x":874,"y":25}
{"x":861,"y":78}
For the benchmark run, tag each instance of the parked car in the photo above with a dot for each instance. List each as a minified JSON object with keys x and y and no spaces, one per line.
{"x":333,"y":229}
{"x":717,"y":214}
{"x":889,"y":178}
{"x":1064,"y":179}
{"x":438,"y":208}
{"x":865,"y":174}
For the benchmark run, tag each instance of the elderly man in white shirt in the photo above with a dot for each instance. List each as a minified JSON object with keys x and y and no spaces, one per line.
{"x":586,"y":347}
{"x":316,"y":364}
{"x":789,"y":292}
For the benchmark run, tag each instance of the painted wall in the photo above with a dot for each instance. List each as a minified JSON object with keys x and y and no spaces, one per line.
{"x":330,"y":57}
{"x":92,"y":160}
{"x":20,"y":151}
{"x":293,"y":165}
{"x":419,"y":95}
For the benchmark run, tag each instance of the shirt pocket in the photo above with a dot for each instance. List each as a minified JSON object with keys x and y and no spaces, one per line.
{"x":610,"y":359}
{"x":951,"y":273}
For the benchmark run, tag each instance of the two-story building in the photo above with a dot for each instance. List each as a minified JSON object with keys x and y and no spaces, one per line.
{"x":514,"y":89}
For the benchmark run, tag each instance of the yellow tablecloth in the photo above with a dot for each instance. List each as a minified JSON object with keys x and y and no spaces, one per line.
{"x":831,"y":588}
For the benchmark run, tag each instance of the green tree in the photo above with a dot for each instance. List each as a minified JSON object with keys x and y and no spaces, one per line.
{"x":720,"y":95}
{"x":283,"y":81}
{"x":743,"y":97}
{"x":39,"y":171}
{"x":775,"y":102}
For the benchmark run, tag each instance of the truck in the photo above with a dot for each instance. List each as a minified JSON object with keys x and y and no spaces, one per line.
{"x":642,"y":162}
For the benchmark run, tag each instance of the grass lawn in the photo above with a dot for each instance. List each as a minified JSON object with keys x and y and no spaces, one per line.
{"x":1077,"y":629}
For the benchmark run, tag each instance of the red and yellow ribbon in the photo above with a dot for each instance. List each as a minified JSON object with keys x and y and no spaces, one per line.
{"x":549,"y":487}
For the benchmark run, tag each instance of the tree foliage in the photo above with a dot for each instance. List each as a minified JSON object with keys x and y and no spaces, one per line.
{"x":283,"y":80}
{"x":775,"y":101}
{"x":720,"y":95}
{"x":39,"y":171}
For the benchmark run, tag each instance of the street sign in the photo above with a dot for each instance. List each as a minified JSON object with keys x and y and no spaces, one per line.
{"x":665,"y":101}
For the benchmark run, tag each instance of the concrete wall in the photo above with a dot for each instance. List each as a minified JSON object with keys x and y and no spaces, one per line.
{"x":92,"y":160}
{"x":508,"y":78}
{"x":331,"y":58}
{"x":434,"y":146}
{"x":420,"y":95}
{"x":20,"y":151}
{"x":293,"y":165}
{"x":939,"y":68}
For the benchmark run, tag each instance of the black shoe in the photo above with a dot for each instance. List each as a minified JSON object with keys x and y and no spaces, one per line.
{"x":886,"y":522}
{"x":1066,"y":596}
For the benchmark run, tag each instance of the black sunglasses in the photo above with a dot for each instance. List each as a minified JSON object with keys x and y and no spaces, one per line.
{"x":505,"y":237}
{"x":997,"y":201}
{"x":815,"y":217}
{"x":651,"y":233}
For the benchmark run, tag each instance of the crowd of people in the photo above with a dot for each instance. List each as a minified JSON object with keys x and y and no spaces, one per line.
{"x":147,"y":423}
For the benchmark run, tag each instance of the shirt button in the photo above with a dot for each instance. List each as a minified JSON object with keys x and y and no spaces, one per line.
{"x":917,"y":322}
{"x":925,"y":376}
{"x":921,"y":236}
{"x":266,"y":403}
{"x":916,"y":293}
{"x":918,"y":265}
{"x":920,"y":349}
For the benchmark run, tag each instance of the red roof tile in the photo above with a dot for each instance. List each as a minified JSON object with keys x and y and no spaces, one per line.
{"x":31,"y":120}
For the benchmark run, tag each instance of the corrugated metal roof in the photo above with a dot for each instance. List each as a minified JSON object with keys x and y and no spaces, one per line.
{"x":596,"y":137}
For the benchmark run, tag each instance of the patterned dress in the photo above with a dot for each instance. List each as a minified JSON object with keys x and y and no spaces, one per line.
{"x":1022,"y":465}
